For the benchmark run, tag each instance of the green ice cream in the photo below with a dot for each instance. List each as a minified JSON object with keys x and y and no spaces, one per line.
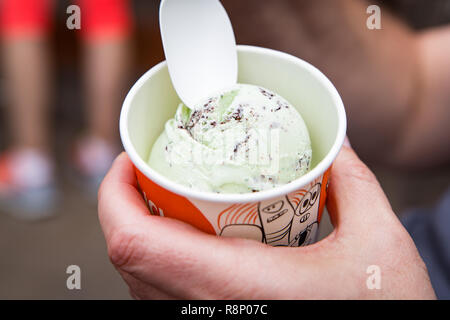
{"x":246,"y":139}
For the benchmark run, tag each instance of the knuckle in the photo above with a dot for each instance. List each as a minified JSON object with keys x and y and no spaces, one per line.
{"x":124,"y":247}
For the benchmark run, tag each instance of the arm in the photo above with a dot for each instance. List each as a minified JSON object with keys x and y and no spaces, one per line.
{"x":394,"y":82}
{"x":426,"y":136}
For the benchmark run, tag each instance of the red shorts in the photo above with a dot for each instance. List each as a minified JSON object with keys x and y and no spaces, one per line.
{"x":99,"y":18}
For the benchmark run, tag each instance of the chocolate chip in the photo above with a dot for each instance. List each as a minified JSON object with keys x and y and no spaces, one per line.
{"x":238,"y":114}
{"x":267,"y":94}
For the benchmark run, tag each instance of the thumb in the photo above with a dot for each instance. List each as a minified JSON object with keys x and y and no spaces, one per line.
{"x":355,"y":197}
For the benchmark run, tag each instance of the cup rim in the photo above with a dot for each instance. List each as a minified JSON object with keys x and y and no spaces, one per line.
{"x":187,"y":192}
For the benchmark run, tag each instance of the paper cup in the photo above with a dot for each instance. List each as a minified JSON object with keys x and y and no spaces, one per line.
{"x":284,"y":216}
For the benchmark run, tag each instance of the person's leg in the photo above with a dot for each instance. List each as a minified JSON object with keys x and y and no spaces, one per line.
{"x":26,"y":170}
{"x":25,"y":62}
{"x":106,"y":27}
{"x":106,"y":70}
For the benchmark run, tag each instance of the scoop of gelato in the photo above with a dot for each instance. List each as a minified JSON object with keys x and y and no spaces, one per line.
{"x":246,"y":139}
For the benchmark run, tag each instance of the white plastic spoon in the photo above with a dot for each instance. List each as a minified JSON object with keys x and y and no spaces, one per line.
{"x":200,"y":47}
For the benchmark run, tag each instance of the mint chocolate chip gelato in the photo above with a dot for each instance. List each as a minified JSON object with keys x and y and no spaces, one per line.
{"x":246,"y":139}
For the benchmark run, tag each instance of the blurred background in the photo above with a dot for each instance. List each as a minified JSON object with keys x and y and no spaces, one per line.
{"x":73,"y":81}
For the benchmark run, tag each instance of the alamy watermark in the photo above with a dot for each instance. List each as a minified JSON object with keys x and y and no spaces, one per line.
{"x":253,"y":147}
{"x":373,"y":282}
{"x":73,"y":22}
{"x":374,"y":20}
{"x":73,"y":282}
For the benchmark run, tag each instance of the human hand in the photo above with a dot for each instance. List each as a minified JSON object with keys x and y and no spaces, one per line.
{"x":162,"y":258}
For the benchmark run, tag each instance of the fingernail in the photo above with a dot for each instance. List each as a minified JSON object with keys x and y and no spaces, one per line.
{"x":347,"y":142}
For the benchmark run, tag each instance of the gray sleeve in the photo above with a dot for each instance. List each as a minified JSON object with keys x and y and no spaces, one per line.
{"x":430,"y":230}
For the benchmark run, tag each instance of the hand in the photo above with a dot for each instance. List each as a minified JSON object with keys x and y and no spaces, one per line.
{"x":161,"y":258}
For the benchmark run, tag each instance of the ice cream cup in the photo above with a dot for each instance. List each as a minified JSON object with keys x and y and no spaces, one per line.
{"x":288,"y":215}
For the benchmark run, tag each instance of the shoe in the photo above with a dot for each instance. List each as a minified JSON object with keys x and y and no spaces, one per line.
{"x":27,"y":186}
{"x":92,"y":158}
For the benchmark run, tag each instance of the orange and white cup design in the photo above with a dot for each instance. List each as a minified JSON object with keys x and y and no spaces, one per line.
{"x":288,"y":215}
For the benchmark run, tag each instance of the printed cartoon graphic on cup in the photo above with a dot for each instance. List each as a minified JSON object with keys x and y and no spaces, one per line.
{"x":288,"y":215}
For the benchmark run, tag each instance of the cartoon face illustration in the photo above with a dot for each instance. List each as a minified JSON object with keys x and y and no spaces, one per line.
{"x":287,"y":221}
{"x":276,"y":217}
{"x":306,"y":213}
